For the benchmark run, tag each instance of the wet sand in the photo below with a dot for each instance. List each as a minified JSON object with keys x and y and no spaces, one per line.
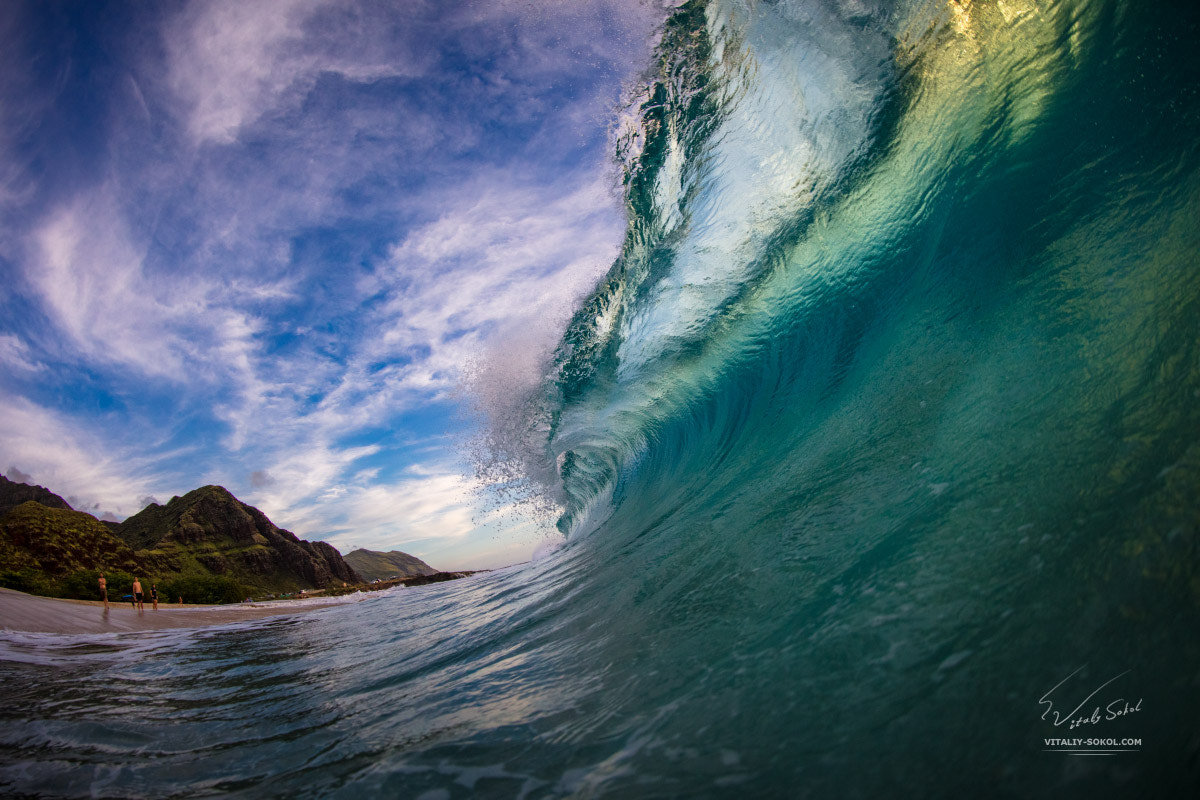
{"x":26,"y":612}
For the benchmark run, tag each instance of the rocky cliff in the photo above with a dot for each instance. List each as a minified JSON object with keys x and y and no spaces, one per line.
{"x":13,"y":494}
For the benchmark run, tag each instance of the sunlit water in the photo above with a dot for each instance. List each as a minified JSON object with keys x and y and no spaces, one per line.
{"x":886,"y":422}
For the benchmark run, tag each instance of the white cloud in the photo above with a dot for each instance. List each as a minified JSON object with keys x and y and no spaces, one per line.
{"x":303,"y":469}
{"x":16,"y":355}
{"x":437,"y":506}
{"x":421,"y":505}
{"x":502,"y":263}
{"x":231,"y":62}
{"x":506,"y":260}
{"x":89,"y":275}
{"x":432,"y":512}
{"x":69,"y":460}
{"x":491,"y":281}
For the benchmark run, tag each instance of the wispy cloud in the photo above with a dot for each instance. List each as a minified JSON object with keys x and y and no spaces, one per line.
{"x":300,"y":225}
{"x":430,"y":511}
{"x":232,"y":62}
{"x":500,"y":269}
{"x":505,"y":259}
{"x":16,"y":355}
{"x":55,"y":452}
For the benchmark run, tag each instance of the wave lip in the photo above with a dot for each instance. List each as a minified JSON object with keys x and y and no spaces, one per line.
{"x":753,"y":119}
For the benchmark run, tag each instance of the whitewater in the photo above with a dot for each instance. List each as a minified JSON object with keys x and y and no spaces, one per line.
{"x":875,"y":459}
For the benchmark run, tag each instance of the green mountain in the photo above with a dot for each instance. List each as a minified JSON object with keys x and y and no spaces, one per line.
{"x":58,"y":542}
{"x":207,"y":546}
{"x":209,"y":531}
{"x":372,"y":564}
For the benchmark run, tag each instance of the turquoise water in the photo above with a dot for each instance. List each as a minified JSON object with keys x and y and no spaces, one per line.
{"x":885,"y":424}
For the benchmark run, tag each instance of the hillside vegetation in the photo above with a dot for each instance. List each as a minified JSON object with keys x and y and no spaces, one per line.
{"x":206,"y":546}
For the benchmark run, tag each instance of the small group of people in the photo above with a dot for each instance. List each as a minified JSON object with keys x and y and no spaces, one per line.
{"x":137,"y":598}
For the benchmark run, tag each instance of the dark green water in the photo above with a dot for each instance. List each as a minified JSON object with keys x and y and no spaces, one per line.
{"x":878,"y":448}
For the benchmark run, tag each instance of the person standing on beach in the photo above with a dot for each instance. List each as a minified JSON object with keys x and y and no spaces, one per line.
{"x":104,"y":590}
{"x":154,"y":595}
{"x":137,"y":595}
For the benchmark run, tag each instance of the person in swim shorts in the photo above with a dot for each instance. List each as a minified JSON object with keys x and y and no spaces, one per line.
{"x":104,"y":590}
{"x":137,"y":595}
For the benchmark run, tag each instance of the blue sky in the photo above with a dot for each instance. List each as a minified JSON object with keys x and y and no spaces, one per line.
{"x":267,"y":245}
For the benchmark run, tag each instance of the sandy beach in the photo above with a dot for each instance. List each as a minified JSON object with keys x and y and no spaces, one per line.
{"x":26,"y":612}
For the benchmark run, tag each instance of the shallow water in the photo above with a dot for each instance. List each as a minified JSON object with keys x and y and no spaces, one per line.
{"x":885,"y":424}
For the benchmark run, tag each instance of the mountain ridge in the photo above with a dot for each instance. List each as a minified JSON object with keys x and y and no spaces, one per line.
{"x":207,"y":535}
{"x":13,"y":494}
{"x":210,"y":528}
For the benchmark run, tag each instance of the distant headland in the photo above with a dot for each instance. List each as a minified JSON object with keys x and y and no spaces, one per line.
{"x":206,"y":547}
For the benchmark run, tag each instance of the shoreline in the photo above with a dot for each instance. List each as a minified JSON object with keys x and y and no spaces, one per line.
{"x":27,"y":613}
